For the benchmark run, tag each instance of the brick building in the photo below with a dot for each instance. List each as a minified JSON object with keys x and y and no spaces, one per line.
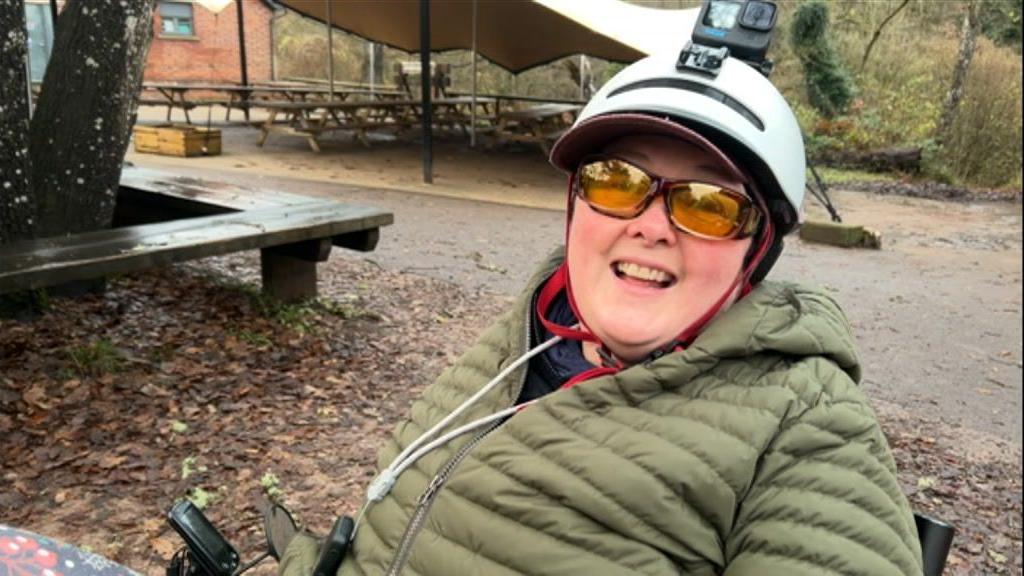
{"x":191,"y":43}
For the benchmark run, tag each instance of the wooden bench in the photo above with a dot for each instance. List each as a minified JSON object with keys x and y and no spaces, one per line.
{"x":293,"y":234}
{"x":541,"y":124}
{"x":310,"y":120}
{"x":187,"y":106}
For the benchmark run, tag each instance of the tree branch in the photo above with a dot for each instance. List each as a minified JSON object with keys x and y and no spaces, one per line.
{"x":878,"y":33}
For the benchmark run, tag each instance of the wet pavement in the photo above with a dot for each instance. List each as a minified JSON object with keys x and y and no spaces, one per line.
{"x":937,"y":312}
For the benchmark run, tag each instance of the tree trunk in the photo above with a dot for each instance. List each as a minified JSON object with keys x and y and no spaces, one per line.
{"x":17,"y":205}
{"x":86,"y":111}
{"x":963,"y":63}
{"x":904,"y":160}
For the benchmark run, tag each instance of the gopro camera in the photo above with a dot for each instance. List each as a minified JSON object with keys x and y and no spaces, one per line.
{"x":742,"y":26}
{"x":212,"y":553}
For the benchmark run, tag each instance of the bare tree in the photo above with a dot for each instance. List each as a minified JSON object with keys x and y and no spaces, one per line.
{"x":968,"y":35}
{"x":878,"y":33}
{"x":86,"y":110}
{"x":17,"y":203}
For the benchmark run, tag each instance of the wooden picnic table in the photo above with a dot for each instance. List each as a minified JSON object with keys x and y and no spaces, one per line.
{"x":541,"y":124}
{"x":181,"y":95}
{"x":311,"y":119}
{"x":502,"y":101}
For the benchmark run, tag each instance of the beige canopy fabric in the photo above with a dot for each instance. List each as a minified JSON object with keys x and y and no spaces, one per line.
{"x":515,"y":34}
{"x":646,"y":30}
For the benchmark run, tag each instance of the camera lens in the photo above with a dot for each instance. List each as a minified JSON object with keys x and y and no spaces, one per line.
{"x":722,"y":14}
{"x":759,"y":16}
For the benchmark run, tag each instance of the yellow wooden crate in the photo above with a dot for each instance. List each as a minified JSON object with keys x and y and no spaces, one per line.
{"x":171,"y":140}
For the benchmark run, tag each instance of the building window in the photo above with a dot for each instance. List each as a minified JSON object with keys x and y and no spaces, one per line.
{"x":176,"y":19}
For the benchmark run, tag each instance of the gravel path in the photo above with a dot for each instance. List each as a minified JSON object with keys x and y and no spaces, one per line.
{"x":937,"y":312}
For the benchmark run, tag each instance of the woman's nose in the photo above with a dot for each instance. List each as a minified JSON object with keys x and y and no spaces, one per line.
{"x":653,"y":225}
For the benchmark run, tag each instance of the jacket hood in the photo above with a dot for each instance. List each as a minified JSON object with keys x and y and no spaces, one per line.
{"x":783,"y":318}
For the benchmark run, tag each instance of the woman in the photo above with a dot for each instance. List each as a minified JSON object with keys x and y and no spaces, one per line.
{"x":674,"y":414}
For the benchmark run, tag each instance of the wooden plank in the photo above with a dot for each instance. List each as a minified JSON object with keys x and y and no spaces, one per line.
{"x":538,"y":112}
{"x":49,"y":261}
{"x":184,"y":193}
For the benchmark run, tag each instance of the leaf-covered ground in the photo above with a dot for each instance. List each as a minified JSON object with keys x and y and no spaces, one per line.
{"x":184,"y":382}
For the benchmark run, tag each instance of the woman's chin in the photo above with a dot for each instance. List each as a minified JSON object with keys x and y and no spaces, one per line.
{"x":634,"y":344}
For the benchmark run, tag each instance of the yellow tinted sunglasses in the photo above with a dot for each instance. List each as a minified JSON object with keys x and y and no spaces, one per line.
{"x":619,"y":189}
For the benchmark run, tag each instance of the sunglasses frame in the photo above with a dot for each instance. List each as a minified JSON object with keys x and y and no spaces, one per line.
{"x":662,"y":186}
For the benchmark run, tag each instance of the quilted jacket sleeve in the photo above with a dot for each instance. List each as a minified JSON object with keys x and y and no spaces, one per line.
{"x":825,"y":499}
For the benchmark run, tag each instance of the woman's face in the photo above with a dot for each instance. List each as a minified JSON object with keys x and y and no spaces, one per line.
{"x":608,"y":257}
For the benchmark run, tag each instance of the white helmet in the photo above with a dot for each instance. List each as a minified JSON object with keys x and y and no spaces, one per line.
{"x":738,"y":111}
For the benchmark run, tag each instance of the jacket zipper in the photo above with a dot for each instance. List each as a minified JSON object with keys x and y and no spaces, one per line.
{"x":426,"y":499}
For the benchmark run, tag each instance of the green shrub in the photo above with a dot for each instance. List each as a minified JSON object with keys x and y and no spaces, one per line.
{"x":1001,"y":22}
{"x":829,"y":88}
{"x":984,"y":143}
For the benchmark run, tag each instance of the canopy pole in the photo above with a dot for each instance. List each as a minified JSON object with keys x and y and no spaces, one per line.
{"x":582,"y":76}
{"x":330,"y":53}
{"x":472,"y":114}
{"x":53,"y":16}
{"x":241,"y":54}
{"x":373,"y":67}
{"x":426,"y":82}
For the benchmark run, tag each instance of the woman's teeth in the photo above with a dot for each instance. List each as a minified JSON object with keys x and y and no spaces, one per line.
{"x":643,"y":273}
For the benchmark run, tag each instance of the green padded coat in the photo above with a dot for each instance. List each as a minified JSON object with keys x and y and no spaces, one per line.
{"x":751,"y":452}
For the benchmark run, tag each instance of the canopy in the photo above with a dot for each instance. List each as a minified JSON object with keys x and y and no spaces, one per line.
{"x":514,"y":34}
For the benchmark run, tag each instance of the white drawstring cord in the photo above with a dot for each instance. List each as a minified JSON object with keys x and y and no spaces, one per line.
{"x":384,"y":481}
{"x":459,"y":432}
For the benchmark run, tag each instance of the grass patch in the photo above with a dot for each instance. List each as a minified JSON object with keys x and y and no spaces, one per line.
{"x":253,"y":338}
{"x":96,"y":359}
{"x":300,"y":317}
{"x":346,"y":311}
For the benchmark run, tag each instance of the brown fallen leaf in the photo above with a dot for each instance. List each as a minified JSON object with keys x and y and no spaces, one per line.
{"x":153,"y":525}
{"x":36,"y":396}
{"x":111,"y":461}
{"x":164,"y":547}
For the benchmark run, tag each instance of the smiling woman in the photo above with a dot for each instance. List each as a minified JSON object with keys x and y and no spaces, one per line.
{"x":648,"y":278}
{"x":650,"y":405}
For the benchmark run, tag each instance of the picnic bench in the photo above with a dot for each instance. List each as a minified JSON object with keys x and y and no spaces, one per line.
{"x":541,"y":124}
{"x":187,"y":96}
{"x":310,"y":120}
{"x":162,"y":219}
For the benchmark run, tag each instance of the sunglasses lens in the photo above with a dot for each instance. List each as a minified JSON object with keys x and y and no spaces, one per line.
{"x":613,"y":187}
{"x":709,"y":210}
